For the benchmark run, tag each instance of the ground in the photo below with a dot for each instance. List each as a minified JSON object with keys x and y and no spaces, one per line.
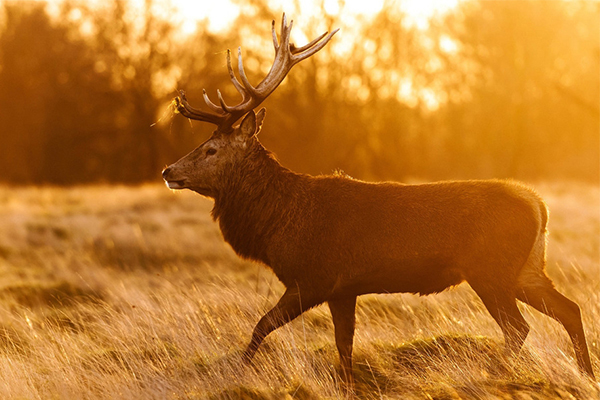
{"x":130,"y":292}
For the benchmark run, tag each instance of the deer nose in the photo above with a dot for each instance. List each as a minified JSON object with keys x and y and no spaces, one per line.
{"x":166,"y":173}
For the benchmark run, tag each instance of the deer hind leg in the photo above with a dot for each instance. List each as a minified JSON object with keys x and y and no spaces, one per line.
{"x":545,"y":298}
{"x":536,"y":289}
{"x":502,"y":305}
{"x":290,"y":305}
{"x":343,"y":315}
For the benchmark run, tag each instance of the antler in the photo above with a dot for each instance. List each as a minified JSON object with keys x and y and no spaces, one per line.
{"x":286,"y":56}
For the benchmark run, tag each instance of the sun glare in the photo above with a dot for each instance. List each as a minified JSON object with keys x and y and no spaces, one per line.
{"x":219,"y":14}
{"x":419,"y":12}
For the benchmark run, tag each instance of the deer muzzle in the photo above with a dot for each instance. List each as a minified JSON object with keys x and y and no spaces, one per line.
{"x":173,"y":182}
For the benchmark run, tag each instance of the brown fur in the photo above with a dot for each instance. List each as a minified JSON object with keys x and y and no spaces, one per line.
{"x":333,"y":238}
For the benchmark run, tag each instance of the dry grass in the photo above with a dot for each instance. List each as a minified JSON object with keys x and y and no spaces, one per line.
{"x":130,"y":293}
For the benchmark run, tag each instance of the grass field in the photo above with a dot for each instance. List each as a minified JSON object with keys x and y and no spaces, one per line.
{"x":131,"y":293}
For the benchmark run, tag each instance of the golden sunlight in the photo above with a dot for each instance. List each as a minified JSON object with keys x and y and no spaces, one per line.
{"x":419,"y":12}
{"x":218,"y":14}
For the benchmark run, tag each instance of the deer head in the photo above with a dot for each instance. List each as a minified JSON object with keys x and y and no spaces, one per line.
{"x":202,"y":169}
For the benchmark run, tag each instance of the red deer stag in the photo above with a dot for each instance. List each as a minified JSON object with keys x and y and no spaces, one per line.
{"x":332,"y":238}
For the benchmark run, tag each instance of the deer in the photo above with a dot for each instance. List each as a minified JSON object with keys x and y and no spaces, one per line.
{"x":332,"y":238}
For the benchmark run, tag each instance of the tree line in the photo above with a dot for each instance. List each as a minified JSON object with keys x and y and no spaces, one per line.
{"x":493,"y":89}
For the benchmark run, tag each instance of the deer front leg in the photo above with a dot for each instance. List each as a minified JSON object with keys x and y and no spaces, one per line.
{"x":290,"y":305}
{"x":343,"y":315}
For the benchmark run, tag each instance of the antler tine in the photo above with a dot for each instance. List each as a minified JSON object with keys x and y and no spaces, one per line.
{"x":274,"y":34}
{"x":283,"y":26}
{"x":247,"y":85}
{"x":223,"y":105}
{"x":296,"y":58}
{"x":295,"y":50}
{"x":234,"y":80}
{"x":285,"y":35}
{"x":190,"y":112}
{"x":209,"y":103}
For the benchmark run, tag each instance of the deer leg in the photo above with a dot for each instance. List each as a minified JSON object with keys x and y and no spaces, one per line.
{"x":502,"y":305}
{"x":289,"y":306}
{"x":545,"y":298}
{"x":343,"y":315}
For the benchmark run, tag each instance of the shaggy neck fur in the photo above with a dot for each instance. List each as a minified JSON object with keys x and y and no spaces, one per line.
{"x":254,"y":200}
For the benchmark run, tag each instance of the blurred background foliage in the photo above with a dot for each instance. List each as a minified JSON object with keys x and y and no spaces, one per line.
{"x":487,"y":89}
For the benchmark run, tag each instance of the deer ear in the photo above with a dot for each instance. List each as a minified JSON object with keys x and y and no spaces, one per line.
{"x":260,"y":117}
{"x":248,"y":125}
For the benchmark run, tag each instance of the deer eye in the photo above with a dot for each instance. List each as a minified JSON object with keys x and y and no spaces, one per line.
{"x":211,"y":152}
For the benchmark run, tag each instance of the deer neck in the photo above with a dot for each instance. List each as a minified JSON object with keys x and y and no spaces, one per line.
{"x":255,"y":202}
